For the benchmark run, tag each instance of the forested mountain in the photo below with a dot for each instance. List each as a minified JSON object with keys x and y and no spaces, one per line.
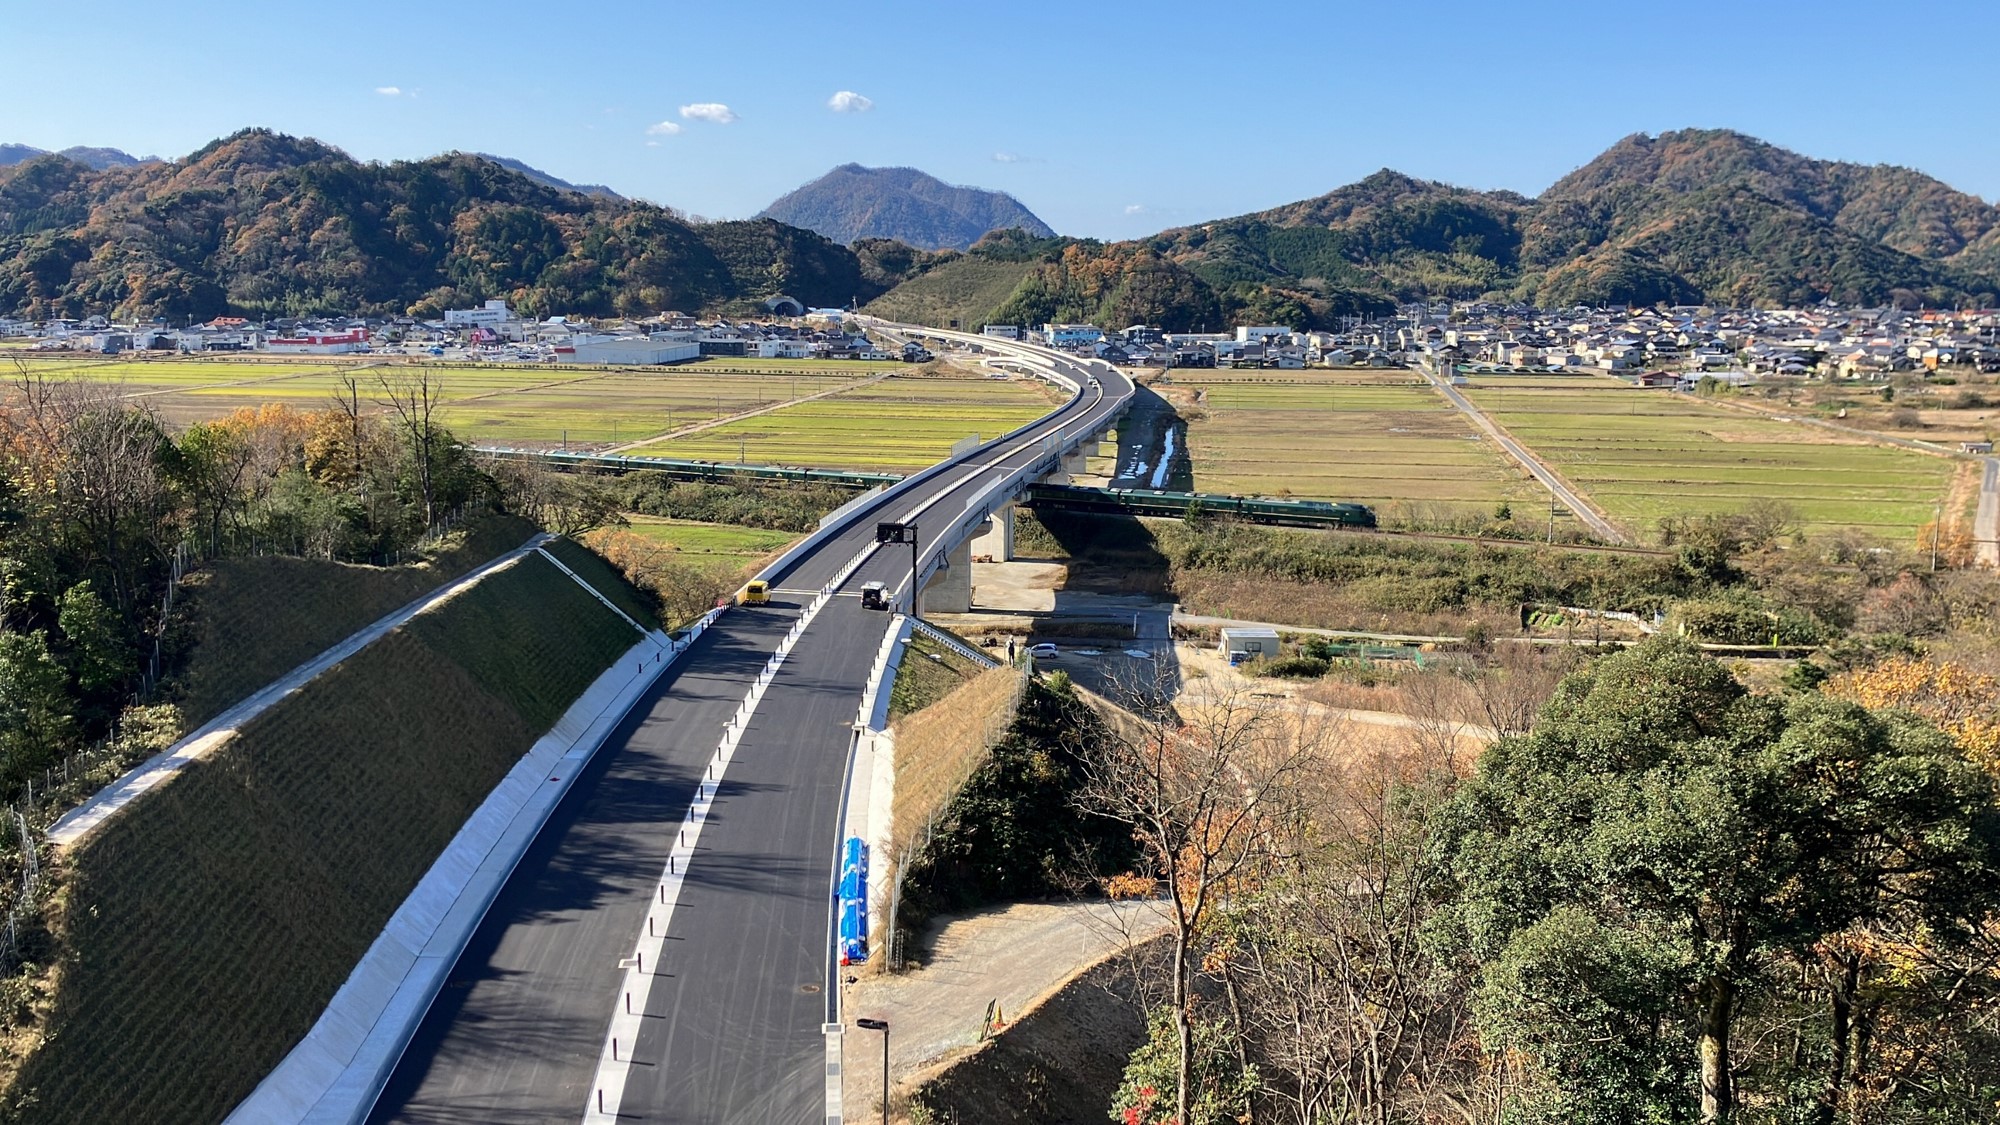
{"x":95,"y":158}
{"x":264,"y":224}
{"x":541,"y":177}
{"x":852,"y":202}
{"x":1694,"y":216}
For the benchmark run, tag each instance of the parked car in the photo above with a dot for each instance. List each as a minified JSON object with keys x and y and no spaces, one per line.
{"x":1043,"y":651}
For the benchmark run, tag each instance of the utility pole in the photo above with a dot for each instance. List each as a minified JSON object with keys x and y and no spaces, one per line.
{"x":1552,"y":517}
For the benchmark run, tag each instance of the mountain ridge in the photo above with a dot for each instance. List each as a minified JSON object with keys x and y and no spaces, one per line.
{"x":853,"y":202}
{"x":1689,"y":216}
{"x":261,"y":223}
{"x":96,"y":159}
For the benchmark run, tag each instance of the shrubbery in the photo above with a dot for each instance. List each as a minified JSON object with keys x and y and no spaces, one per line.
{"x":742,"y":501}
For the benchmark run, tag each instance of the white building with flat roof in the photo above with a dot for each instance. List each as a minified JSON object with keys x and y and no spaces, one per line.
{"x":493,"y":313}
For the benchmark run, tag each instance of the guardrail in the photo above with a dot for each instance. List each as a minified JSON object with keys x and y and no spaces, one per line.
{"x":953,"y":643}
{"x":778,"y":566}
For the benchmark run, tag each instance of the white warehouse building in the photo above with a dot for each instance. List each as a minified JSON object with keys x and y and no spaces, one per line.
{"x":628,"y":351}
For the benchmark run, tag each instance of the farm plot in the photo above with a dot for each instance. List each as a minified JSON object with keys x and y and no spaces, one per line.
{"x":897,"y":424}
{"x":711,"y":542}
{"x":1645,"y":455}
{"x":623,"y":406}
{"x":1373,"y":439}
{"x":506,"y":404}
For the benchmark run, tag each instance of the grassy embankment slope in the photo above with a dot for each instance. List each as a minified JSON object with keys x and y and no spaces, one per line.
{"x":205,"y":928}
{"x":255,"y":619}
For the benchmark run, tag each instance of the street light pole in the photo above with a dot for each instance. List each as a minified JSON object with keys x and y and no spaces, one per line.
{"x":883,"y":1027}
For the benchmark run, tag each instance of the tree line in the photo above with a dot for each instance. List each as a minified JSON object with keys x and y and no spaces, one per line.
{"x":1660,"y":897}
{"x":100,"y":500}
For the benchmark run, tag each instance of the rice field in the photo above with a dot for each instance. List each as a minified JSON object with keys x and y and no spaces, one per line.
{"x":896,"y":425}
{"x":711,"y":542}
{"x":1643,"y":455}
{"x":1371,"y":437}
{"x":534,"y":406}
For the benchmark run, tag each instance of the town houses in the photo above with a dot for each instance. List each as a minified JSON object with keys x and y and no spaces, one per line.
{"x":490,"y":333}
{"x":1650,"y":346}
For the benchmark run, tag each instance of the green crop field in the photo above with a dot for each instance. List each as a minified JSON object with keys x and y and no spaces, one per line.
{"x":899,"y":424}
{"x":711,"y":542}
{"x":1375,"y":439}
{"x":1642,"y":455}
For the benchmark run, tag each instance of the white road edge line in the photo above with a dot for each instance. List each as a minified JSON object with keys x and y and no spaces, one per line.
{"x":614,"y":1062}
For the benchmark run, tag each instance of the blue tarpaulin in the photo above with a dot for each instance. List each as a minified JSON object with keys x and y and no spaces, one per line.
{"x":853,"y":901}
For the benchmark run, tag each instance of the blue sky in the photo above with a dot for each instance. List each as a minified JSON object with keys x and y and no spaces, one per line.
{"x":1109,"y":119}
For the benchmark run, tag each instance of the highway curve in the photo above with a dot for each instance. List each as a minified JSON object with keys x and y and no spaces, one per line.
{"x":731,"y":1030}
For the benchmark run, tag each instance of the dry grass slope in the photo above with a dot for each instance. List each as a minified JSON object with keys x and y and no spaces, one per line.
{"x":258,"y":618}
{"x":209,"y":924}
{"x":939,"y":747}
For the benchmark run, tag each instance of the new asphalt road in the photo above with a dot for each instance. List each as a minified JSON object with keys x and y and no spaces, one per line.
{"x":732,"y":1025}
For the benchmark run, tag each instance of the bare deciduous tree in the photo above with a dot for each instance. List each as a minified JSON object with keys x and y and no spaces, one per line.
{"x":1204,"y":792}
{"x":414,"y":396}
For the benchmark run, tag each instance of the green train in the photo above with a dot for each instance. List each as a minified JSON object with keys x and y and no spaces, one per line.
{"x":1175,"y":505}
{"x":690,"y":470}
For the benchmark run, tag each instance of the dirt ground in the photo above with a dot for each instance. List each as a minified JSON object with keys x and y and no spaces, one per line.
{"x":1010,"y":956}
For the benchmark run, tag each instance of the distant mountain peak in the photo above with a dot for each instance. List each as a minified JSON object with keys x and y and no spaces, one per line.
{"x":853,"y":202}
{"x":96,"y":159}
{"x":546,"y":180}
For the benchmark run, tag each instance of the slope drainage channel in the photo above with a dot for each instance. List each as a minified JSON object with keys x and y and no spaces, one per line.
{"x":615,"y":1060}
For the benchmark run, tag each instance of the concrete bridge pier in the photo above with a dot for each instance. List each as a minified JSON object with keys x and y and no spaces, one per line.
{"x":1074,"y":464}
{"x":950,"y":589}
{"x":996,"y":535}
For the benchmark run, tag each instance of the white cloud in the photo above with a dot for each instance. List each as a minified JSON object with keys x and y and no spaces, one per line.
{"x":1007,"y":158}
{"x":389,"y":91}
{"x":652,"y":144}
{"x":847,"y":101}
{"x":663,"y":129}
{"x":1135,"y":208}
{"x":714,"y":112}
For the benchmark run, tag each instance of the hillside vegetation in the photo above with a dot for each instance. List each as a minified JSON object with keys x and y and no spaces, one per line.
{"x":249,"y":886}
{"x":254,"y":619}
{"x":1697,"y":216}
{"x":269,"y":225}
{"x":852,"y":202}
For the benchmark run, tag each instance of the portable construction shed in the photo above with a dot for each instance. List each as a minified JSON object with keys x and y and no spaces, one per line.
{"x":1252,"y":642}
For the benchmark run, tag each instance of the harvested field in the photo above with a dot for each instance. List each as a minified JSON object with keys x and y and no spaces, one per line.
{"x":1642,"y":455}
{"x":897,"y":425}
{"x":1376,"y":439}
